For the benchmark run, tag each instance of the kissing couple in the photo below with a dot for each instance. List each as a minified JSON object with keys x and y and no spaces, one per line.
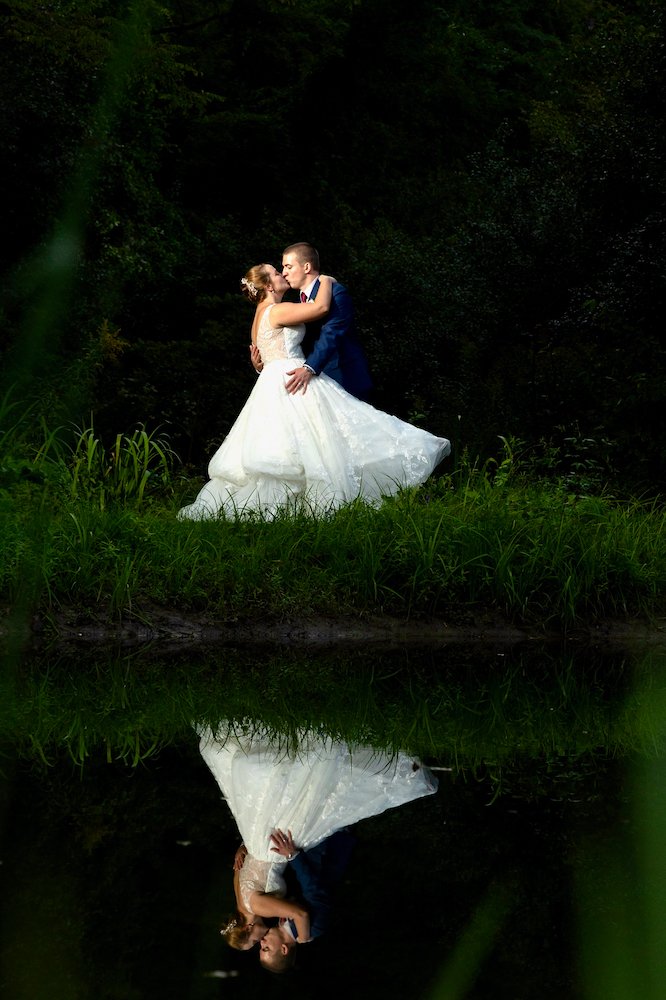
{"x":293,"y":807}
{"x":304,"y":915}
{"x":307,"y":438}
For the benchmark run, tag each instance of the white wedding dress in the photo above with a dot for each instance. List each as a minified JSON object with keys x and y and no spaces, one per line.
{"x":314,"y":792}
{"x":316,"y":450}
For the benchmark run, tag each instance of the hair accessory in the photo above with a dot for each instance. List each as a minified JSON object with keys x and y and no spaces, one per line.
{"x":249,"y":284}
{"x":230,"y":926}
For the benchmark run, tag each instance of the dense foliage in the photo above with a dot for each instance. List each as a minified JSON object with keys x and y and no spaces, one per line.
{"x":487,"y":177}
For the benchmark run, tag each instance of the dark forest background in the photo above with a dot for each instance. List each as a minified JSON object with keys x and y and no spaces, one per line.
{"x":486,"y":176}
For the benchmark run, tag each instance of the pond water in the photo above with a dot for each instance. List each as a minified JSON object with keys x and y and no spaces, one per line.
{"x":538,"y":869}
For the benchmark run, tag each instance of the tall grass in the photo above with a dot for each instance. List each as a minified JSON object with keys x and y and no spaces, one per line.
{"x":108,"y":535}
{"x":531,"y":553}
{"x":73,"y":462}
{"x":122,"y":471}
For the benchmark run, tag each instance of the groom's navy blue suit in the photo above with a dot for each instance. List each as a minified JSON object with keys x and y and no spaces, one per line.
{"x":331,"y":345}
{"x":317,"y":872}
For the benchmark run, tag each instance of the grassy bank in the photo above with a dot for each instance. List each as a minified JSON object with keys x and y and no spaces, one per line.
{"x":534,"y":552}
{"x":94,"y":528}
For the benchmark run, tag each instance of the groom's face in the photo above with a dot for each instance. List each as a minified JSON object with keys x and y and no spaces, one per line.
{"x":297,"y":274}
{"x":271,"y":944}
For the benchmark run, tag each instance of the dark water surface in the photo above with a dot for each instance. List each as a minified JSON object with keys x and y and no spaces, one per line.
{"x":537,"y":870}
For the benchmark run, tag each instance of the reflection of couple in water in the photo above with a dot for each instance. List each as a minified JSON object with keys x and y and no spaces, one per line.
{"x":293,"y":810}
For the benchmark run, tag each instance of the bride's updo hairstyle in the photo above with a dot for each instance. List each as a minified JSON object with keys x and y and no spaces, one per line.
{"x":236,"y":932}
{"x":255,"y":283}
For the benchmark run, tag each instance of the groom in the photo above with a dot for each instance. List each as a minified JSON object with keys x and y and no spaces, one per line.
{"x":317,"y":872}
{"x":330,"y":345}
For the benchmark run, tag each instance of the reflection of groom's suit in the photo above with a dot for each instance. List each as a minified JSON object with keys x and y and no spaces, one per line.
{"x":331,"y":346}
{"x":317,"y":873}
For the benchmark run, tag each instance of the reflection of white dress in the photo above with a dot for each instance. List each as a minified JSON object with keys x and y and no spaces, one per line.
{"x":323,"y":447}
{"x":322,"y":788}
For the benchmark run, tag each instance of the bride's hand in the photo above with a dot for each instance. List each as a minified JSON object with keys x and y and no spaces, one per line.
{"x":255,"y":358}
{"x":284,"y":844}
{"x":239,"y":857}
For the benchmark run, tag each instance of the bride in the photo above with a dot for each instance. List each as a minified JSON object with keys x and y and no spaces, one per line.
{"x":324,"y":787}
{"x":321,"y":448}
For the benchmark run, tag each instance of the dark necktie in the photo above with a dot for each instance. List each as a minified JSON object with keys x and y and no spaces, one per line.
{"x":304,"y":297}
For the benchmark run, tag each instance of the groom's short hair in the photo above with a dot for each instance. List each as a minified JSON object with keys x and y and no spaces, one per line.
{"x":279,"y":963}
{"x":306,"y":254}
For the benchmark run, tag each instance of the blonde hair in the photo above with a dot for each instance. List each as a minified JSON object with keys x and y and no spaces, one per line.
{"x":236,"y":932}
{"x":254,"y":283}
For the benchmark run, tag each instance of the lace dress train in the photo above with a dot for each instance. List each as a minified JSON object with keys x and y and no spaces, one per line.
{"x":325,"y":786}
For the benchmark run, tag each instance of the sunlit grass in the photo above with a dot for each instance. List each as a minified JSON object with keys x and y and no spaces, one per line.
{"x":92,"y":523}
{"x":533,"y":554}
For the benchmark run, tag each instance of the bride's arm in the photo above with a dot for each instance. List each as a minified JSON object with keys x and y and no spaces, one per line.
{"x":265,"y":904}
{"x":291,"y":313}
{"x":303,"y":928}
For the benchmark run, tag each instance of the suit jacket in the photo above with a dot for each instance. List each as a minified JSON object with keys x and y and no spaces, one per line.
{"x":332,"y":346}
{"x":317,"y":872}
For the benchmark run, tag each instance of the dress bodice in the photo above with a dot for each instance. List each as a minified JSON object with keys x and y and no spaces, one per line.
{"x":279,"y":343}
{"x":260,"y":876}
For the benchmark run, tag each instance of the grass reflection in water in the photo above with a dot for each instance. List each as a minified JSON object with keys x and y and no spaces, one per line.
{"x":458,"y":707}
{"x":536,"y":870}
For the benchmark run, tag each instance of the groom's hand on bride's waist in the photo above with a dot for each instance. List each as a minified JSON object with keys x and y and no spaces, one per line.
{"x":283,"y":844}
{"x":298,"y":379}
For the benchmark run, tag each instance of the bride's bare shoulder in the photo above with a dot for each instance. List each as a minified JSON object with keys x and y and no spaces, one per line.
{"x":258,"y":317}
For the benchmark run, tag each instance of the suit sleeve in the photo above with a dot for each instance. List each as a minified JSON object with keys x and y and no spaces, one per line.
{"x":336,"y":326}
{"x":315,"y":893}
